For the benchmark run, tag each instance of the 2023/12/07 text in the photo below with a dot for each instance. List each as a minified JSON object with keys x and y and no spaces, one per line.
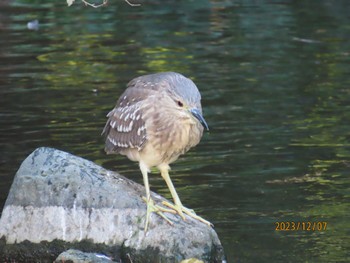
{"x":301,"y":226}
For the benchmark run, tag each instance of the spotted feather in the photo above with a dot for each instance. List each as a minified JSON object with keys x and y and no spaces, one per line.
{"x":125,"y":127}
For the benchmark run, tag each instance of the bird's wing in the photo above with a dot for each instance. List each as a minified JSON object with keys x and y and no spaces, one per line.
{"x":125,"y":127}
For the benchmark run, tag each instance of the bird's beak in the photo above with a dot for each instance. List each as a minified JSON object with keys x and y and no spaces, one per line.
{"x":196,"y":113}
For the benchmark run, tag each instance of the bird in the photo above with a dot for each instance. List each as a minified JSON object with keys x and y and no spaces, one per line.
{"x":157,"y":119}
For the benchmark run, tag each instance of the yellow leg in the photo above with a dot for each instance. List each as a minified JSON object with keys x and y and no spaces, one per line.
{"x":151,"y":207}
{"x":178,"y":207}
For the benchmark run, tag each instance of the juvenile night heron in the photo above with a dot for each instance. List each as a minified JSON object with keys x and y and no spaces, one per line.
{"x":156,"y":119}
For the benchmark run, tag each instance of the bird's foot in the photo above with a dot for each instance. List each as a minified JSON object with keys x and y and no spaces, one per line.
{"x":151,"y":207}
{"x":180,"y":209}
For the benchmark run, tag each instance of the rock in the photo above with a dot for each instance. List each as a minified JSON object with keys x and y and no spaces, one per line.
{"x":59,"y":201}
{"x":77,"y":256}
{"x":192,"y":260}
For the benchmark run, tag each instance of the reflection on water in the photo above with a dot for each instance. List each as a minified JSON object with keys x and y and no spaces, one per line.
{"x":274,"y":81}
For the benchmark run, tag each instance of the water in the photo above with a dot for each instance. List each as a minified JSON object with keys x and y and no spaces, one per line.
{"x":274,"y":77}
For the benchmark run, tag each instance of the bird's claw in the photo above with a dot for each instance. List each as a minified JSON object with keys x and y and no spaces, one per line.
{"x":180,"y":209}
{"x":151,"y":207}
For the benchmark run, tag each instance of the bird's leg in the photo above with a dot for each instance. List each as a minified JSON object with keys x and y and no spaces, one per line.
{"x":164,"y":171}
{"x":178,"y":207}
{"x":151,"y":207}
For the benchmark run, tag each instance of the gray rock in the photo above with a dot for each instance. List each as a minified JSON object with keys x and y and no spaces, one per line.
{"x":59,"y":201}
{"x":77,"y":256}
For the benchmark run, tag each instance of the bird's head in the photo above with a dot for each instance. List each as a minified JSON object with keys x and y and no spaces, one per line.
{"x":186,"y":97}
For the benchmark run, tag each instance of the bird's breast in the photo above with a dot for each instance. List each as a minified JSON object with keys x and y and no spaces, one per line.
{"x":170,"y":136}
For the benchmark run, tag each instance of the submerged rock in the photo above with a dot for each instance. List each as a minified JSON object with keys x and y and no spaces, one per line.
{"x":59,"y":201}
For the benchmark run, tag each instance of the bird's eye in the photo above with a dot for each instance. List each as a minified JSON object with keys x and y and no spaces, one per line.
{"x":180,"y":103}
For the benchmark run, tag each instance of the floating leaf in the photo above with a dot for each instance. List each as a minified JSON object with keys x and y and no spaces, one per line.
{"x":70,"y":2}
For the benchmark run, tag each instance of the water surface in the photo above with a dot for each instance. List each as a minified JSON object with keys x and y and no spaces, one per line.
{"x":274,"y":77}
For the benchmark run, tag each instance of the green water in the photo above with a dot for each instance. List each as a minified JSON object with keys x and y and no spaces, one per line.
{"x":274,"y":77}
